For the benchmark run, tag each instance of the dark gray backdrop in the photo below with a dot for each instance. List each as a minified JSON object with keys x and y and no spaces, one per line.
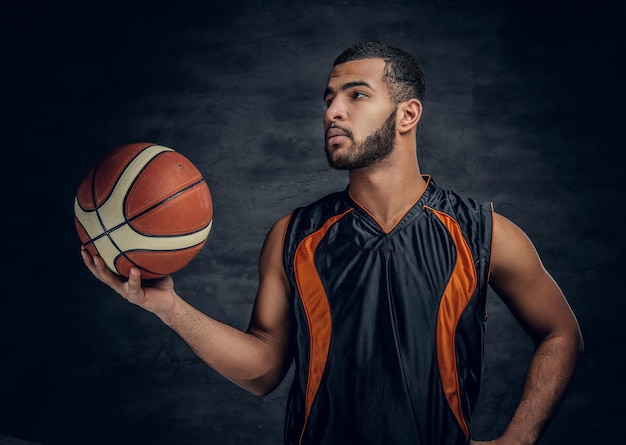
{"x":524,"y":108}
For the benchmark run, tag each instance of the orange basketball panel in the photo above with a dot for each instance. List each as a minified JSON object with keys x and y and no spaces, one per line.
{"x":167,"y":174}
{"x":186,"y":213}
{"x":84,"y":194}
{"x":156,"y":264}
{"x":108,"y":171}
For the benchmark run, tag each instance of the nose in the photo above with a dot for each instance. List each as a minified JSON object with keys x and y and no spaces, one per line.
{"x":335,"y":111}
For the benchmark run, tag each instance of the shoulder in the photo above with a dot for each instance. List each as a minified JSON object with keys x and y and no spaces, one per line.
{"x":513,"y":253}
{"x":509,"y":239}
{"x":456,"y":204}
{"x":474,"y":217}
{"x":309,"y":218}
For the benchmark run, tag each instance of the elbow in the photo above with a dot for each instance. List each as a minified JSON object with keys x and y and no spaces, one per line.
{"x":261,"y":386}
{"x":262,"y":391}
{"x":575,"y":339}
{"x":573,"y":343}
{"x":265,"y":381}
{"x":265,"y":372}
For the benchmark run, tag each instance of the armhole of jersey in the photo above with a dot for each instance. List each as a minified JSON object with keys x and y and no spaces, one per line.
{"x":486,"y":314}
{"x":491,"y":241}
{"x":284,"y":251}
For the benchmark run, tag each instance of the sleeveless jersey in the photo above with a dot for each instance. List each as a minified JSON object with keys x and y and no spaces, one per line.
{"x":389,"y":326}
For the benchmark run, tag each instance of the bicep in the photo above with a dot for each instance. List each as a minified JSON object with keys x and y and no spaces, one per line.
{"x":520,"y":279}
{"x":271,"y":314}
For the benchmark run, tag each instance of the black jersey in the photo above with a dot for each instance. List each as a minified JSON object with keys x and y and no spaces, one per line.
{"x":389,"y":326}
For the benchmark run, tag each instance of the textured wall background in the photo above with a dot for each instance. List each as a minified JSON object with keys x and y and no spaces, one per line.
{"x":524,"y":108}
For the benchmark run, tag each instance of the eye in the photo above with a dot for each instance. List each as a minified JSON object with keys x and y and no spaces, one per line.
{"x":359,"y":95}
{"x":328,"y":101}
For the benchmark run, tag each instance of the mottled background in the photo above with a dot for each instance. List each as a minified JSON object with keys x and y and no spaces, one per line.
{"x":524,"y":108}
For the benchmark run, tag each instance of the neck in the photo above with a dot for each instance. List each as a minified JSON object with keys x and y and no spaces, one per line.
{"x":388,"y":190}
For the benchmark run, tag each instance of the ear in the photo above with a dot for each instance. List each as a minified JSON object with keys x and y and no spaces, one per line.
{"x":410,"y":113}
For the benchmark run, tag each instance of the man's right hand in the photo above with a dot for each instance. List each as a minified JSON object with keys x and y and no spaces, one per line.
{"x":156,"y":296}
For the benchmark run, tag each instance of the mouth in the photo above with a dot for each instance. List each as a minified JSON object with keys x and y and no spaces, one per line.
{"x":336,"y":135}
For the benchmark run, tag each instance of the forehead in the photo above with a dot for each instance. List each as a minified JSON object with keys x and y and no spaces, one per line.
{"x":367,"y":70}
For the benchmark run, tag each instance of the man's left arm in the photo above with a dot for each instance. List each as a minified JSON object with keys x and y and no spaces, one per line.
{"x":538,"y":304}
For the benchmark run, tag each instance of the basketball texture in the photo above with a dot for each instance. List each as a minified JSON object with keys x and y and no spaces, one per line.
{"x":144,"y":205}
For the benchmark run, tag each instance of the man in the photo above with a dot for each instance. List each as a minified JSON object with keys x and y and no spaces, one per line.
{"x":379,"y":292}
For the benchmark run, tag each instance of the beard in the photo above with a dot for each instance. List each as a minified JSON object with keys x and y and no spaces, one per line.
{"x":376,"y":147}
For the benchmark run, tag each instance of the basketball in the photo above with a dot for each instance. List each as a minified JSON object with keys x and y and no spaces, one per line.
{"x":144,"y":205}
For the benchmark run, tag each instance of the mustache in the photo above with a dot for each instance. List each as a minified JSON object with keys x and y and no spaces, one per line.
{"x":345,"y":130}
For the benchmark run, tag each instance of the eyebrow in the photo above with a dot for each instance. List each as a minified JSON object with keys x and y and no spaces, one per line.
{"x":347,"y":86}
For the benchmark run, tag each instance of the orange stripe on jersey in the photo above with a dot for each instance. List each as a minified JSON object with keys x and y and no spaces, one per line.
{"x":456,"y":296}
{"x":317,"y":310}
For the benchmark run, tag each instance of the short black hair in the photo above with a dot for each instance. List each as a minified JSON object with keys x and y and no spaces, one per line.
{"x":403,"y":75}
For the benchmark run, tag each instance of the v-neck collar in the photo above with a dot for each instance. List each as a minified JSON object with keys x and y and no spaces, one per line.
{"x":404,"y":219}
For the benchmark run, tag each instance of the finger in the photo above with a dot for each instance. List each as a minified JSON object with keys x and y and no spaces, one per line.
{"x":135,"y":291}
{"x":99,"y":266}
{"x":95,"y":265}
{"x":87,"y":259}
{"x":99,"y":269}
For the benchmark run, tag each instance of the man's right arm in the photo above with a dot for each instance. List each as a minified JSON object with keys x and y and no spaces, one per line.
{"x":257,"y":359}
